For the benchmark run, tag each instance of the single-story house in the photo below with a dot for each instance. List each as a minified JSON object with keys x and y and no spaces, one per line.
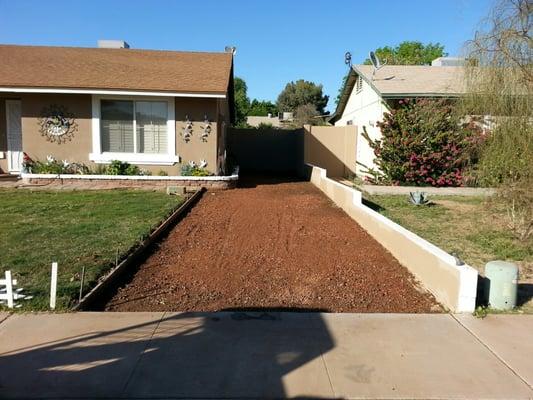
{"x":370,"y":92}
{"x":155,"y":109}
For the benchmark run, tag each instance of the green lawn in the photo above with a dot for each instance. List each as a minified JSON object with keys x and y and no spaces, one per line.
{"x":473,"y":227}
{"x":76,"y":229}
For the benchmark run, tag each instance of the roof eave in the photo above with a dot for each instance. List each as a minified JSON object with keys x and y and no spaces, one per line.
{"x":405,"y":95}
{"x":120,"y":92}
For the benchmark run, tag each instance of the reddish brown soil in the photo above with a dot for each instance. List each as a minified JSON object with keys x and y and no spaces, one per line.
{"x":275,"y":245}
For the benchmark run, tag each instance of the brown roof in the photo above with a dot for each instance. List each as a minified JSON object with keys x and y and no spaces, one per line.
{"x":114,"y":69}
{"x":413,"y":80}
{"x":399,"y":81}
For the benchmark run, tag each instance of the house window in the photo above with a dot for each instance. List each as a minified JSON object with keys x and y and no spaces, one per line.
{"x":137,"y":130}
{"x":133,"y":126}
{"x":359,"y":84}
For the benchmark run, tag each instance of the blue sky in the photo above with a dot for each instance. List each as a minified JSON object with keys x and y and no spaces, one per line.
{"x":277,"y":41}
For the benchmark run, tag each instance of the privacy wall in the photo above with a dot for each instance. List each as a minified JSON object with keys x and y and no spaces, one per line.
{"x":332,"y":148}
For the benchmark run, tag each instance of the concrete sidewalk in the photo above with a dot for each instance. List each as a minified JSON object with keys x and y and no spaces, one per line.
{"x":274,"y":355}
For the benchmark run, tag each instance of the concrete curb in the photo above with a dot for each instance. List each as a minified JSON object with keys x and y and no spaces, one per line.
{"x":137,"y":254}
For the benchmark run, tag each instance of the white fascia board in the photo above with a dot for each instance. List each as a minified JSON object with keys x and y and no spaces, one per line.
{"x":111,"y":92}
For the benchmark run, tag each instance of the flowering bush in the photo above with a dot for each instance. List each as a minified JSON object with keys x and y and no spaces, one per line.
{"x":194,"y":170}
{"x":424,"y":143}
{"x":53,"y":166}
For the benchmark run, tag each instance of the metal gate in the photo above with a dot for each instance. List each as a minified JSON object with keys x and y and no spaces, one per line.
{"x":266,"y":150}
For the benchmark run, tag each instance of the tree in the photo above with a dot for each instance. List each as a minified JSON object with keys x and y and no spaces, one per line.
{"x":262,"y":108}
{"x":305,"y":115}
{"x":300,"y":93}
{"x":499,"y":84}
{"x":409,"y":53}
{"x":242,"y":102}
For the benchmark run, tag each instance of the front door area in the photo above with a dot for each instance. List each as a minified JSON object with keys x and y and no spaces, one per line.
{"x":14,"y":135}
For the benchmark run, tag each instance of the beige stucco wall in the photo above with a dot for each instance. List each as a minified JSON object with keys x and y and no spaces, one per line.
{"x":196,"y":149}
{"x":37,"y":146}
{"x":79,"y":148}
{"x":331,"y":148}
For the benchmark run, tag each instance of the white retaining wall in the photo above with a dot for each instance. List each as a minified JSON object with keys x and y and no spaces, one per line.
{"x":454,"y":286}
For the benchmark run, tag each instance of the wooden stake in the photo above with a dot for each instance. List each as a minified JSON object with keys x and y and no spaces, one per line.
{"x":53,"y":286}
{"x":82,"y":279}
{"x":9,"y":289}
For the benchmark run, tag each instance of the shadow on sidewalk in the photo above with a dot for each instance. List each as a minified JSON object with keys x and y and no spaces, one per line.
{"x":187,"y":355}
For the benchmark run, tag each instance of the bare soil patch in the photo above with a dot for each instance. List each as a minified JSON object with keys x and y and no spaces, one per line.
{"x":273,"y":245}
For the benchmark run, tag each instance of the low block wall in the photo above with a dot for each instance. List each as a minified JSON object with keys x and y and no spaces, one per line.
{"x":133,"y":181}
{"x":452,"y":285}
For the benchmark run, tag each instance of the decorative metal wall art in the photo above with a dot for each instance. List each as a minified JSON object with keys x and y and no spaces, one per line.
{"x":187,"y":129}
{"x":57,"y":124}
{"x":206,"y":129}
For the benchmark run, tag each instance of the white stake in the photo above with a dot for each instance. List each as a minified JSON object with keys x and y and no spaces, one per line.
{"x":53,"y":286}
{"x":9,"y":289}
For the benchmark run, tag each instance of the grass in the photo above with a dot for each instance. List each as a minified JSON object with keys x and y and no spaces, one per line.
{"x":76,"y":229}
{"x":472,"y":227}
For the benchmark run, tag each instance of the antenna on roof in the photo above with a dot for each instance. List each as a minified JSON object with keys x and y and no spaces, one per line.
{"x":230,"y":49}
{"x":348,"y":59}
{"x":375,"y":62}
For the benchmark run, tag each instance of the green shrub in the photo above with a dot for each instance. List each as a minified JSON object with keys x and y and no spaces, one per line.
{"x":121,"y":168}
{"x":424,"y":143}
{"x":162,"y":173}
{"x":193,"y":170}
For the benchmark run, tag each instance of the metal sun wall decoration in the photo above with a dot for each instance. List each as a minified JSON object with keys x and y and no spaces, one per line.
{"x":206,"y":129}
{"x":187,"y":129}
{"x":57,"y":124}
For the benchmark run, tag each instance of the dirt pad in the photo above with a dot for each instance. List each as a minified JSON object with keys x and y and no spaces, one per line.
{"x":275,"y":245}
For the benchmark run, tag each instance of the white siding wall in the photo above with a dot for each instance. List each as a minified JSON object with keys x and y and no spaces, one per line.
{"x":364,"y":109}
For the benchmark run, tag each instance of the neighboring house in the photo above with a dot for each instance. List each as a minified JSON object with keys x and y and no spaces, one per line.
{"x":256,"y":120}
{"x":282,"y":120}
{"x":368,"y":93}
{"x":155,"y":109}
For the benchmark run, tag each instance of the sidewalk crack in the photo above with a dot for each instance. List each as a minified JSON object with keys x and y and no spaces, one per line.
{"x":493,"y":353}
{"x":130,"y":376}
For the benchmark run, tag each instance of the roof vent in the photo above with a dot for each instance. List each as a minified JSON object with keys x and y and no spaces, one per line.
{"x":113,"y":44}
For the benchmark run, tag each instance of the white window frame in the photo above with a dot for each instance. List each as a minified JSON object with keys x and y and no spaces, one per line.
{"x":100,"y":157}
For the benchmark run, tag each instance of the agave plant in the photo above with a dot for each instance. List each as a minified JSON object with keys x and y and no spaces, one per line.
{"x":419,"y":198}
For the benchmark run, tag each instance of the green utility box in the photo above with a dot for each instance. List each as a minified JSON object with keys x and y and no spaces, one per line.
{"x":501,"y":284}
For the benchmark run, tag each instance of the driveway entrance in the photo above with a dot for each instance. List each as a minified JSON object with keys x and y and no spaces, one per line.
{"x":271,"y":244}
